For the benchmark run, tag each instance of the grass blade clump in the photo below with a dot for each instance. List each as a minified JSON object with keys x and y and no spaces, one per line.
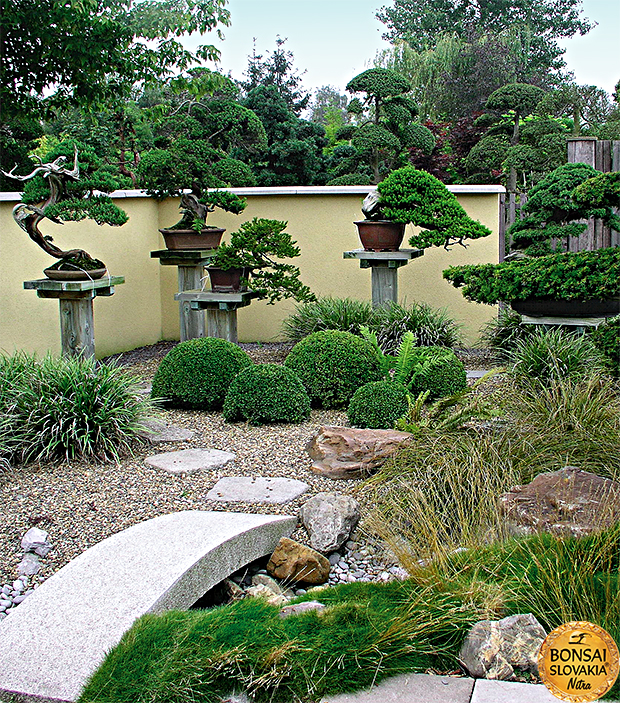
{"x":504,"y":332}
{"x":343,"y":314}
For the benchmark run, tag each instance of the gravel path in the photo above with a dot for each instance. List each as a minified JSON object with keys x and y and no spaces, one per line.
{"x":80,"y":504}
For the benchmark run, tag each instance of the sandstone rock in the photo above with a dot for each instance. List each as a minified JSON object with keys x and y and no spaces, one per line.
{"x":296,"y":562}
{"x":493,"y":648}
{"x":329,"y":519}
{"x":37,"y":541}
{"x":345,"y":452}
{"x":233,"y":590}
{"x":268,"y":582}
{"x":569,"y":502}
{"x":261,"y":591}
{"x":298,"y":608}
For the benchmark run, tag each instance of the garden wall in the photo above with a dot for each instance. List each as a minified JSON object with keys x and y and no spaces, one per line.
{"x":143,"y":310}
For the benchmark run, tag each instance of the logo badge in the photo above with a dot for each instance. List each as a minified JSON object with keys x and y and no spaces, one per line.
{"x":578,"y":662}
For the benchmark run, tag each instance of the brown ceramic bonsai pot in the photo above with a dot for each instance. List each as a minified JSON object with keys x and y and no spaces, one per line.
{"x":228,"y":281}
{"x":546,"y":307}
{"x":60,"y":275}
{"x":380,"y":235}
{"x":207,"y":238}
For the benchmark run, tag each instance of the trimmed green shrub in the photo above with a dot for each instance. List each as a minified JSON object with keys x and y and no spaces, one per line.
{"x":378,"y":405}
{"x":67,"y":408}
{"x":607,"y":340}
{"x":332,"y":365}
{"x":197,"y":373}
{"x":438,"y":371}
{"x":266,"y":393}
{"x":555,"y":355}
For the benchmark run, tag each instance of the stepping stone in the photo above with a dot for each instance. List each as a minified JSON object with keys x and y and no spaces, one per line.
{"x":158,"y":432}
{"x":476,"y":373}
{"x":188,"y":461}
{"x":411,"y":688}
{"x":256,"y":490}
{"x":52,"y":643}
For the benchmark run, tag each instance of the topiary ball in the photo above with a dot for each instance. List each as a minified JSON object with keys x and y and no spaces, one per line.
{"x":266,"y":393}
{"x":439,"y":371}
{"x":332,"y":365}
{"x":378,"y":405}
{"x":197,"y":373}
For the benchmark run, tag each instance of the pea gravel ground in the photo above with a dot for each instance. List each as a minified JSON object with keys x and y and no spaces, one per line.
{"x":81,"y":503}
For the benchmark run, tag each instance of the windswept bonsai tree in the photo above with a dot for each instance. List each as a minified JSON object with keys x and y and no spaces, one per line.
{"x":255,"y":248}
{"x":386,"y":127}
{"x":411,"y":196}
{"x":69,"y":184}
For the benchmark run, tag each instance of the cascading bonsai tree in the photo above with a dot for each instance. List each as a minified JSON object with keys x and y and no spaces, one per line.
{"x":386,"y":127}
{"x":539,"y":265}
{"x":408,"y":195}
{"x":69,"y":184}
{"x":254,"y":249}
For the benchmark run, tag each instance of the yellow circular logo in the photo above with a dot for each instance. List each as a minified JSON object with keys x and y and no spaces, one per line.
{"x":578,"y":662}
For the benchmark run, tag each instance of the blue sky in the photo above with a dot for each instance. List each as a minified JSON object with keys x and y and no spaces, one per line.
{"x":333,"y":40}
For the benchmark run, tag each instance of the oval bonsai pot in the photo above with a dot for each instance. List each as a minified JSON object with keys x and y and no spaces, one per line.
{"x":207,"y":238}
{"x":76,"y":269}
{"x":545,"y":307}
{"x":380,"y":235}
{"x":228,"y":281}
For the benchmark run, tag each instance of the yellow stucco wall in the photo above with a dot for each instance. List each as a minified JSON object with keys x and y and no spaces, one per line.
{"x":143,"y":309}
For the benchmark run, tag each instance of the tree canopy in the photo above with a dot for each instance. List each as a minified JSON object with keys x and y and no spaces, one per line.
{"x":57,"y":53}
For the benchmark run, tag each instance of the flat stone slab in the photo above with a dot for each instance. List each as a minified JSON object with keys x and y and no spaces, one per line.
{"x":411,"y":688}
{"x":188,"y":461}
{"x":476,"y":373}
{"x":486,"y":691}
{"x":256,"y":489}
{"x":158,"y":432}
{"x":59,"y":635}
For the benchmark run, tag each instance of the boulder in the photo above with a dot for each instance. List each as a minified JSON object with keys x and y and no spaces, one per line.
{"x":37,"y":541}
{"x":329,"y":519}
{"x":296,"y":562}
{"x":261,"y":591}
{"x":494,"y":648}
{"x":569,"y":502}
{"x":345,"y":452}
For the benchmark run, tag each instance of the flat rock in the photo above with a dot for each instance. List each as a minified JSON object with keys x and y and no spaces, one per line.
{"x":59,"y":635}
{"x":296,"y":562}
{"x":188,"y":461}
{"x":329,"y":519}
{"x":158,"y":432}
{"x":246,"y":489}
{"x":568,"y":502}
{"x":346,"y":452}
{"x":298,"y":608}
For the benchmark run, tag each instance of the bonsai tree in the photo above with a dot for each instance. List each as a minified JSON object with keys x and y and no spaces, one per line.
{"x":60,"y":192}
{"x":255,"y":247}
{"x":411,"y":196}
{"x":385,"y":120}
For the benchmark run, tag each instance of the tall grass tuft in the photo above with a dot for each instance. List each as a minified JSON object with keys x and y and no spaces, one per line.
{"x":504,"y":332}
{"x":67,"y":408}
{"x":343,"y":314}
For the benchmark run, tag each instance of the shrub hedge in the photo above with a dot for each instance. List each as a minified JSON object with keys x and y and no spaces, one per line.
{"x":438,"y":371}
{"x":378,"y":405}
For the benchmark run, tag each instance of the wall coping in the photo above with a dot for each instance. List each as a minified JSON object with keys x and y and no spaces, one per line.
{"x":292,"y":190}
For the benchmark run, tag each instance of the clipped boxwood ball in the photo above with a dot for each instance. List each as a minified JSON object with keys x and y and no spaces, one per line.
{"x":440,"y":372}
{"x":267,"y":393}
{"x":197,"y":373}
{"x":332,"y":365}
{"x":378,"y":405}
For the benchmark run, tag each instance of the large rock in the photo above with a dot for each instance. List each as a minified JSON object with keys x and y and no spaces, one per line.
{"x":494,"y":648}
{"x":345,"y":452}
{"x":569,"y":502}
{"x":329,"y":519}
{"x":296,"y":562}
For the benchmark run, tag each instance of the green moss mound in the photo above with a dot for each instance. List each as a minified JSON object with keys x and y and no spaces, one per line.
{"x":266,"y":393}
{"x":332,"y":365}
{"x":378,"y":405}
{"x":438,"y":371}
{"x":197,"y":373}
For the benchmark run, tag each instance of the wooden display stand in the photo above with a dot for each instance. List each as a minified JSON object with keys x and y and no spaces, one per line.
{"x":579,"y":323}
{"x":384,"y":265}
{"x":75,"y":298}
{"x":221,"y":310}
{"x":190,"y":263}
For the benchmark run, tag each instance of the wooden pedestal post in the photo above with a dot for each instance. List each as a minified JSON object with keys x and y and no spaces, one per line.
{"x":384,"y":265}
{"x":190,"y":263}
{"x":75,"y":298}
{"x":221,"y":310}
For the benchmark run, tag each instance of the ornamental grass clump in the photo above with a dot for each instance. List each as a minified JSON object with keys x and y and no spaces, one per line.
{"x":378,"y":405}
{"x":332,"y":365}
{"x":67,"y":408}
{"x":197,"y":373}
{"x":266,"y":393}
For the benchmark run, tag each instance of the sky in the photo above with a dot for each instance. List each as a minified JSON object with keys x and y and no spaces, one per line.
{"x":334,"y":40}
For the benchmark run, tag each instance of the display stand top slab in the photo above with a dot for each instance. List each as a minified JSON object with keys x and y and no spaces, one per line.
{"x":183,"y":257}
{"x":46,"y":284}
{"x":564,"y":321}
{"x":400,"y":255}
{"x":206,"y":299}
